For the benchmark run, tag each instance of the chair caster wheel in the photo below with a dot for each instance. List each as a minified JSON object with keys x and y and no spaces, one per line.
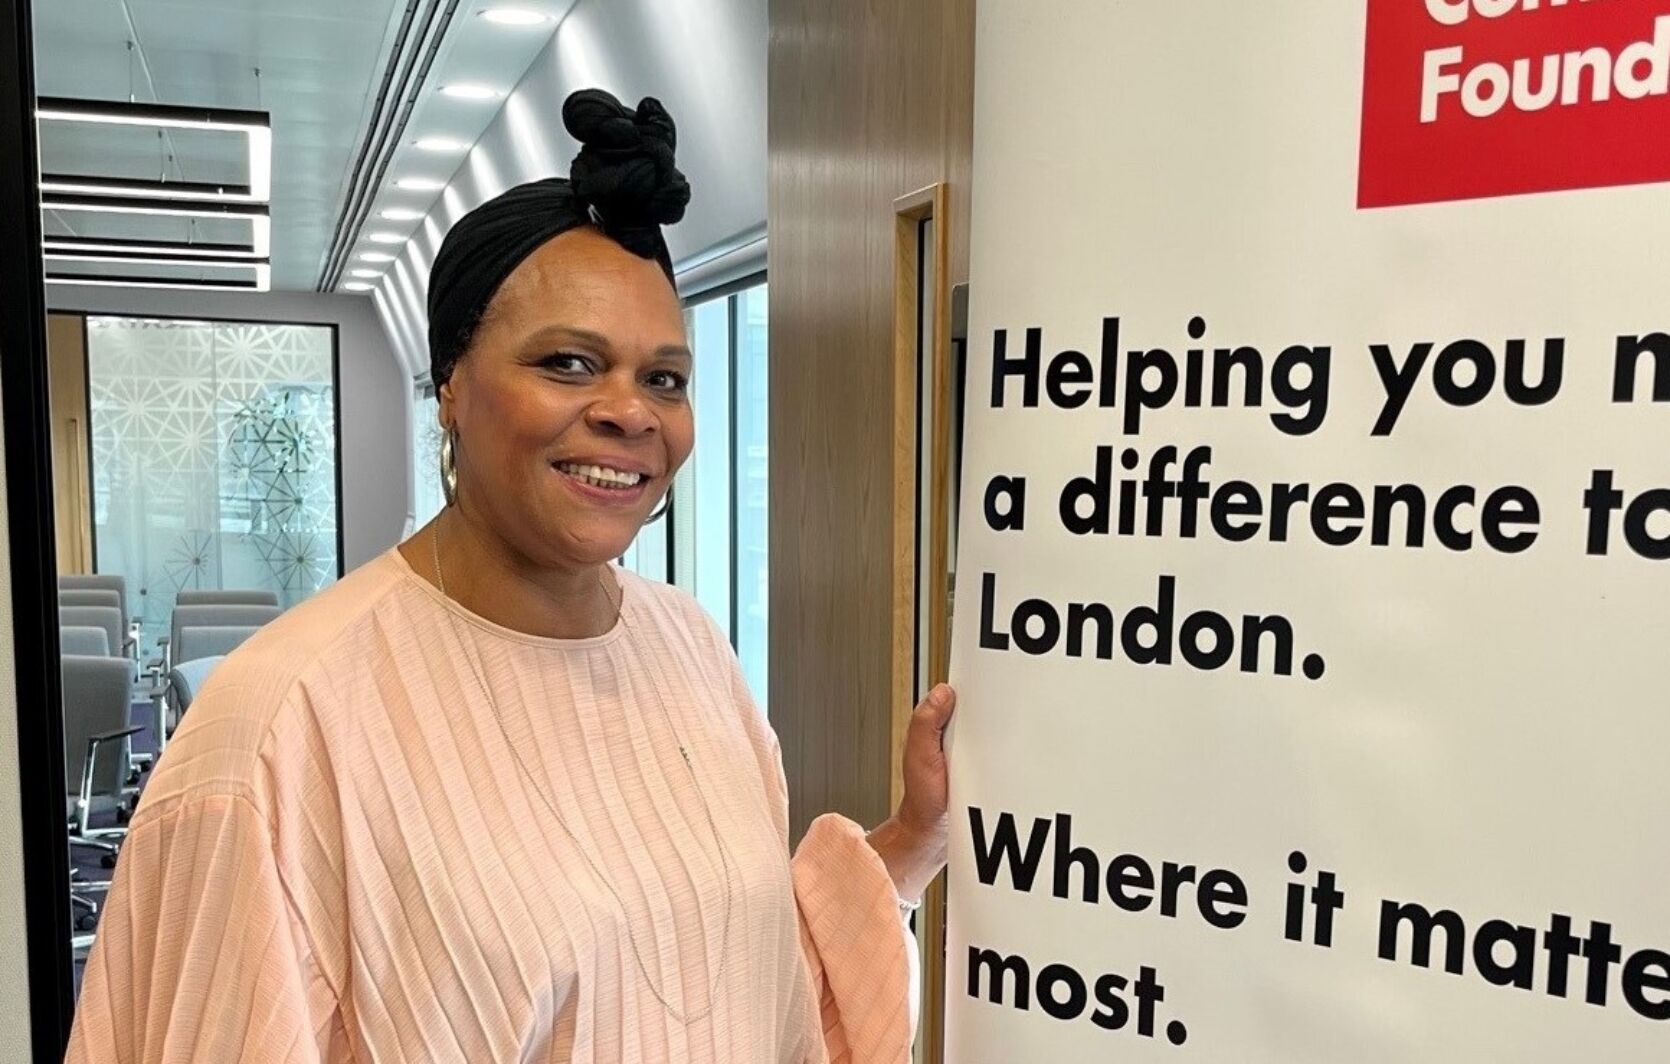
{"x":107,"y":861}
{"x":123,"y":815}
{"x":86,"y":922}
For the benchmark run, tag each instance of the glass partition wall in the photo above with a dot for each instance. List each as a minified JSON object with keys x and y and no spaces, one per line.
{"x":214,"y":458}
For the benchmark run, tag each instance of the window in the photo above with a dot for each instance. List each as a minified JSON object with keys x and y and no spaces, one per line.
{"x":749,"y":447}
{"x":714,"y":537}
{"x":428,"y":499}
{"x":214,"y":457}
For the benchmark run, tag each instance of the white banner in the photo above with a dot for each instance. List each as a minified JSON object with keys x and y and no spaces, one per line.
{"x":1313,"y":616}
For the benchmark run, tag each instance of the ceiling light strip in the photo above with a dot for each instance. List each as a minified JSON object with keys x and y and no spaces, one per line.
{"x":155,"y":260}
{"x":261,"y":282}
{"x":90,"y":185}
{"x":152,"y":205}
{"x":150,"y":115}
{"x":255,"y":125}
{"x":155,"y":248}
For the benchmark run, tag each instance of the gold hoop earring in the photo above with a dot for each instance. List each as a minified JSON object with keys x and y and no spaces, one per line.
{"x":449,"y":466}
{"x":666,"y":504}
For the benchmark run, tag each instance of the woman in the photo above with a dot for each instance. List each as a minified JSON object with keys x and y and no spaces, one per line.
{"x":491,"y":798}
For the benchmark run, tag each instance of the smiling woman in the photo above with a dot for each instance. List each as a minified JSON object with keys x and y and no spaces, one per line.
{"x":568,"y":417}
{"x":493,"y":797}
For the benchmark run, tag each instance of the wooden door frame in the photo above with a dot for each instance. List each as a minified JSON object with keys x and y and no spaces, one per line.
{"x":909,"y":212}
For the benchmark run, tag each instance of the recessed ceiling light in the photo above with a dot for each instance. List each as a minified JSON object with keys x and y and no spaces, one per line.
{"x":376,"y":256}
{"x":400,"y":214}
{"x":386,"y":238}
{"x":514,"y":16}
{"x":420,"y":184}
{"x":366,"y":273}
{"x":439,"y":144}
{"x":357,"y":286}
{"x":465,"y":91}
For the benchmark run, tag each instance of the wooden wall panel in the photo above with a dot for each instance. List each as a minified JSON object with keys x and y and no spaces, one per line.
{"x":66,"y":348}
{"x":867,"y":102}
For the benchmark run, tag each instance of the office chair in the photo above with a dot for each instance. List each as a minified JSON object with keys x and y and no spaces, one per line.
{"x":89,"y":596}
{"x":212,"y":615}
{"x":211,"y":641}
{"x":187,"y":679}
{"x":97,"y":694}
{"x":108,"y":582}
{"x":227,"y":615}
{"x":84,"y":640}
{"x":200,"y":649}
{"x":227,"y":597}
{"x":98,"y":581}
{"x":109,"y":618}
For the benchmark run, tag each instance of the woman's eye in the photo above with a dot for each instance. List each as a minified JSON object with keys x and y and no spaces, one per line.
{"x":571,"y":364}
{"x":667,"y":380}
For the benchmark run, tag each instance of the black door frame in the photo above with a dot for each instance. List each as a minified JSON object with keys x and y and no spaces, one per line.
{"x":32,"y":545}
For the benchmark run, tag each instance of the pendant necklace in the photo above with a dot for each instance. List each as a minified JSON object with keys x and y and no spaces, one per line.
{"x":680,"y":1015}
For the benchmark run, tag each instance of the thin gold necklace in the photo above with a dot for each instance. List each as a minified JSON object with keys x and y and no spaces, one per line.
{"x":681,"y":1016}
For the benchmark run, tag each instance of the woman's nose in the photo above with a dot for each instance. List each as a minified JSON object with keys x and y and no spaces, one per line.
{"x":621,"y":411}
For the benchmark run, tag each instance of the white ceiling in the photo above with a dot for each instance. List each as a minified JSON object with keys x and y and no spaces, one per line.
{"x":322,"y":63}
{"x":474,"y":51}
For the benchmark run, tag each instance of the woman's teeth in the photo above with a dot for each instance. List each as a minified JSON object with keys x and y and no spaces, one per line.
{"x":600,"y":476}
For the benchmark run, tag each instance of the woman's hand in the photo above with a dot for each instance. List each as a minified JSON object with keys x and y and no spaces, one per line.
{"x":911,"y":843}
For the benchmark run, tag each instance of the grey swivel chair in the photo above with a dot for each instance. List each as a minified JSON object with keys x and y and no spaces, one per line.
{"x":187,"y":680}
{"x":228,"y":615}
{"x":108,"y":582}
{"x":208,"y":615}
{"x":84,"y":640}
{"x":89,"y":596}
{"x":97,"y":695}
{"x":98,"y":581}
{"x":231,"y":596}
{"x":211,"y":641}
{"x":108,"y":618}
{"x":199,"y":645}
{"x":217,"y":615}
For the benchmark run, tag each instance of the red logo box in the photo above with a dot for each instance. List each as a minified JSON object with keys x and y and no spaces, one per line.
{"x":1464,"y":99}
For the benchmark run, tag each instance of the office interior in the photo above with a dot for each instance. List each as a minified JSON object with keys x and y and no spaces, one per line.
{"x":219,"y":220}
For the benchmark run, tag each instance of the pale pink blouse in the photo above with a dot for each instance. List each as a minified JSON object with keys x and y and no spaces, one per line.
{"x":350,"y":853}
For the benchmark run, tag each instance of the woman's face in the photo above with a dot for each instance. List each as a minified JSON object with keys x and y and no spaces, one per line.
{"x":571,"y":404}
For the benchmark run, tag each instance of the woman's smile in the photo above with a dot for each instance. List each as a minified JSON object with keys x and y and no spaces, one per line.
{"x":612,"y":482}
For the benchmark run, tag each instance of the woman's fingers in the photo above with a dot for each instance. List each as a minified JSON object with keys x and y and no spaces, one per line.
{"x":924,"y":765}
{"x":933,"y":713}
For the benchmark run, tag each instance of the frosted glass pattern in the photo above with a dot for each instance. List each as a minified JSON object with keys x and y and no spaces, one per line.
{"x":214,"y":458}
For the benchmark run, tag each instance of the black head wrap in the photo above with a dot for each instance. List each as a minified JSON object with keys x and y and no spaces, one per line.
{"x":624,"y":180}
